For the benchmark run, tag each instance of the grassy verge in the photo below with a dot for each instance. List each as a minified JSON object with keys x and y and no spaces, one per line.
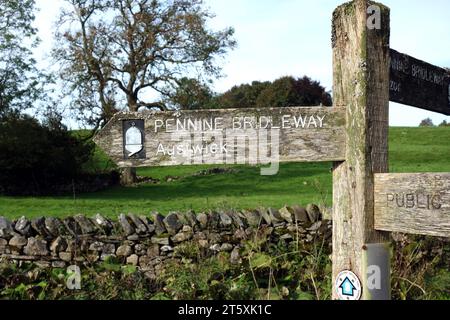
{"x":411,"y":150}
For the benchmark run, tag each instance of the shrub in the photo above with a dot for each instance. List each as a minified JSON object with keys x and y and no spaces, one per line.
{"x":34,"y":156}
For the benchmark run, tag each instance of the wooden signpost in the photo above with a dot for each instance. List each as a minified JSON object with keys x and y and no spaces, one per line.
{"x":235,"y":136}
{"x":419,"y":84}
{"x":368,"y":203}
{"x":413,"y":203}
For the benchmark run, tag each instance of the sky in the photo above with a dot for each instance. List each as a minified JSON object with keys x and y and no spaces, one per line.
{"x":293,"y":37}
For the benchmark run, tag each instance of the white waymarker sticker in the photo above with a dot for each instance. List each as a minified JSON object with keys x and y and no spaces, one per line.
{"x":348,"y":286}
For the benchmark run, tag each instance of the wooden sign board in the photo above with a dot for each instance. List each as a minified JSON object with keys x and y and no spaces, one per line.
{"x":236,"y":136}
{"x":413,"y":203}
{"x":419,"y":84}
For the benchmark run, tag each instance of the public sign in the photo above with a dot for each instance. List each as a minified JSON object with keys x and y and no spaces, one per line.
{"x":348,"y":286}
{"x":413,"y":203}
{"x":420,"y":84}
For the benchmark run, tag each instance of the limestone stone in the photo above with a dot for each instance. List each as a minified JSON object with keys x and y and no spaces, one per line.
{"x":158,"y":221}
{"x":140,"y":227}
{"x":140,"y":249}
{"x":203,"y":243}
{"x":133,"y":237}
{"x":54,"y":226}
{"x":127,"y":228}
{"x":191,"y":218}
{"x":103,"y":223}
{"x":315,"y":226}
{"x":202,"y":218}
{"x":18,"y":242}
{"x":266,"y":216}
{"x":275,"y":216}
{"x":65,"y":256}
{"x":162,"y":240}
{"x":38,"y":224}
{"x":166,"y":249}
{"x":288,"y":214}
{"x":109,"y":248}
{"x":182,"y":236}
{"x":124,"y":251}
{"x":59,"y":244}
{"x":253,"y":217}
{"x":215,"y":247}
{"x":145,"y":263}
{"x":313,"y":212}
{"x":235,"y":257}
{"x":133,"y":260}
{"x":150,"y":226}
{"x":153,"y":251}
{"x":238,"y":221}
{"x":36,"y":247}
{"x":96,"y":246}
{"x":6,"y":230}
{"x":226,"y":247}
{"x":300,"y":214}
{"x":86,"y":225}
{"x":72,"y":226}
{"x":23,"y":226}
{"x":225,"y":219}
{"x":58,"y":264}
{"x":172,"y":223}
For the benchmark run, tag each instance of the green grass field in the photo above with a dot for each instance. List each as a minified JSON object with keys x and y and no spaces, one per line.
{"x":411,"y":150}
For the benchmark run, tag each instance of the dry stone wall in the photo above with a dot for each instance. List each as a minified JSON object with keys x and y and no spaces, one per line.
{"x":147,"y":241}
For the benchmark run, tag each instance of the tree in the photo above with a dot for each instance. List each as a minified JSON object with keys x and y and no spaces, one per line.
{"x":19,"y":77}
{"x":444,"y":123}
{"x":242,"y":96}
{"x":426,"y":123}
{"x":37,"y":157}
{"x":135,"y":51}
{"x":283,"y":92}
{"x":191,"y":94}
{"x":291,"y":92}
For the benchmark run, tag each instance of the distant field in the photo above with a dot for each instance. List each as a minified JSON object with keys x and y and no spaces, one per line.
{"x":411,"y":150}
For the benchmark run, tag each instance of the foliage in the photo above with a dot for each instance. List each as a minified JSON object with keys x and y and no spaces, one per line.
{"x":126,"y":50}
{"x":444,"y":124}
{"x":283,"y":92}
{"x":268,"y":271}
{"x":295,"y":270}
{"x":421,"y":268}
{"x":102,"y":282}
{"x":191,"y":94}
{"x":35,"y":156}
{"x":243,"y":96}
{"x":19,"y":77}
{"x":288,"y":271}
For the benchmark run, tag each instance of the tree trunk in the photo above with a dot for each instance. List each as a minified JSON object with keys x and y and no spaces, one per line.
{"x":128,"y":176}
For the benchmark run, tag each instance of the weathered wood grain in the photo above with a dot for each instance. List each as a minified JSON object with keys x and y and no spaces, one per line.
{"x":413,"y":203}
{"x":419,"y":84}
{"x":305,"y":134}
{"x":360,"y":82}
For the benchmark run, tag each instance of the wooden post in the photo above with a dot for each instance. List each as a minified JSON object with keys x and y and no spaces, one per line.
{"x":361,"y":84}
